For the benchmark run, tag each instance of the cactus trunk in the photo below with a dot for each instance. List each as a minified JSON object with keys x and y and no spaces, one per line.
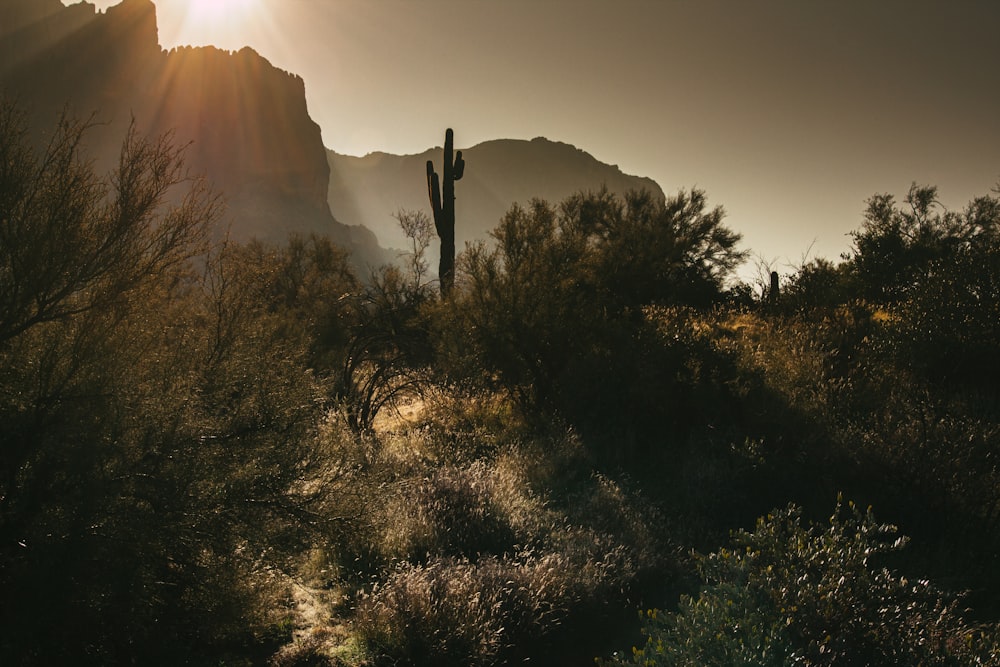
{"x":442,"y":198}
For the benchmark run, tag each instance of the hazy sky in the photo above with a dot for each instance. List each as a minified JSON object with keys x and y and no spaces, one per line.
{"x":789,"y":113}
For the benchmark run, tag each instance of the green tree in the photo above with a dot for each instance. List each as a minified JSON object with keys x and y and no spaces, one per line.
{"x":646,"y":251}
{"x":307,"y":285}
{"x":818,"y":284}
{"x":419,"y":229}
{"x":386,"y":353}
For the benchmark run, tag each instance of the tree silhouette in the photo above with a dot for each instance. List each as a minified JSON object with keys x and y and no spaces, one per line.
{"x":71,"y":241}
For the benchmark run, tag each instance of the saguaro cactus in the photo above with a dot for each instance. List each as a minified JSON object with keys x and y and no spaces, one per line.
{"x":775,"y":291}
{"x":442,"y":196}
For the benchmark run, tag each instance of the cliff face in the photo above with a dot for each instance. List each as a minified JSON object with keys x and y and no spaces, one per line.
{"x":250,"y":129}
{"x":245,"y":122}
{"x":369,"y":190}
{"x":29,"y":25}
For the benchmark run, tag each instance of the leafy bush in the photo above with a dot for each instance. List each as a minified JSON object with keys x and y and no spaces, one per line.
{"x":938,"y":271}
{"x":792,"y":592}
{"x":554,"y":312}
{"x":818,"y":284}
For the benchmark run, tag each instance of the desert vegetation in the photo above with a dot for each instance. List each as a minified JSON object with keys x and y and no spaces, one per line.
{"x":599,"y":445}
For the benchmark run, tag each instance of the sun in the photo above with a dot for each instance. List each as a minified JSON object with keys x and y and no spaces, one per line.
{"x":223,"y":23}
{"x":221,"y":11}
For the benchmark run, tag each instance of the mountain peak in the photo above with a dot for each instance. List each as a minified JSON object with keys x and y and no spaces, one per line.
{"x":500,"y":172}
{"x":18,"y":14}
{"x":245,"y":123}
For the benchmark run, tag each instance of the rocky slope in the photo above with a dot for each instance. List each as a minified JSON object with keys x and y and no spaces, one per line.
{"x":245,"y":122}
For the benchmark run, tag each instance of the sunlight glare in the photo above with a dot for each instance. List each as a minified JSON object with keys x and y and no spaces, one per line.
{"x":215,"y":11}
{"x":223,"y":23}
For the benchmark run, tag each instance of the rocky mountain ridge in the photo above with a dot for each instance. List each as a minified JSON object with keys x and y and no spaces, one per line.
{"x":247,"y":129}
{"x":369,"y":190}
{"x":245,"y":123}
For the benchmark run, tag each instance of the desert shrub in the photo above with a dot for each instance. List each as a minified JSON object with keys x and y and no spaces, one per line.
{"x":928,"y":457}
{"x":553,"y":314}
{"x":158,"y":433}
{"x":488,"y":506}
{"x":817,"y":284}
{"x":497,"y":610}
{"x":614,"y":510}
{"x":451,"y":512}
{"x":387,"y":348}
{"x":461,"y":424}
{"x":794,"y":592}
{"x":840,"y":398}
{"x":938,"y":273}
{"x":308,"y":287}
{"x":522,"y":553}
{"x":947,"y":328}
{"x":802,"y":379}
{"x":898,"y":248}
{"x":746,"y":420}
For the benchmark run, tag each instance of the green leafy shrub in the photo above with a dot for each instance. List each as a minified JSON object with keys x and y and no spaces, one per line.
{"x":793,"y":592}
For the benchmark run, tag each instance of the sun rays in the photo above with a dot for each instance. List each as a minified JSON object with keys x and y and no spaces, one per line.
{"x":221,"y":21}
{"x":228,"y":24}
{"x":221,"y":11}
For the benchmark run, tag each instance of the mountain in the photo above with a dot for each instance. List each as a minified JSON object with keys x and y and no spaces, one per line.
{"x":245,"y":122}
{"x":369,"y":190}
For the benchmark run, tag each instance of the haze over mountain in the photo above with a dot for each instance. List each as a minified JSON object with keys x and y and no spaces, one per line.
{"x":248,"y":130}
{"x":246,"y":121}
{"x":370,"y":190}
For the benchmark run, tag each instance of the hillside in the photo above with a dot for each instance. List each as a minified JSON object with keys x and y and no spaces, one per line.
{"x":246,"y":121}
{"x":369,"y":190}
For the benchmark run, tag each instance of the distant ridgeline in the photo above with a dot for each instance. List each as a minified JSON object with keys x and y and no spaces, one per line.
{"x":246,"y":121}
{"x":369,"y":190}
{"x":248,"y":131}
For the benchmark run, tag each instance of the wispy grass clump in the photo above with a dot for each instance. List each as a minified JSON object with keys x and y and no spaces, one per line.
{"x":496,"y":610}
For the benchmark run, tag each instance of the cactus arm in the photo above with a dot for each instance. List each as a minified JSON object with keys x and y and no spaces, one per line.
{"x":448,"y":174}
{"x":459,"y":166}
{"x":434,"y":194}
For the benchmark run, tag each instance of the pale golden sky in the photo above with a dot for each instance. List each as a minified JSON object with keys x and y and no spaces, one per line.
{"x":789,"y":113}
